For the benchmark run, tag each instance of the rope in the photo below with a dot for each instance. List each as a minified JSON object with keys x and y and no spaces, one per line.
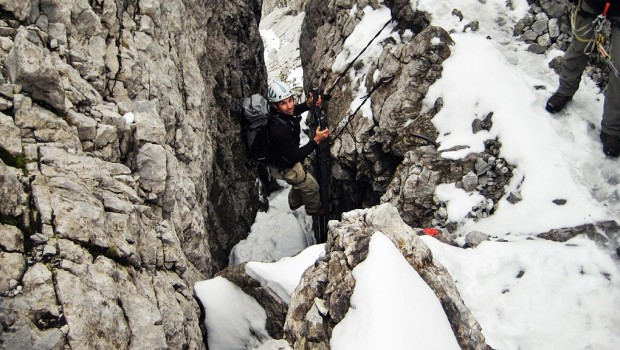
{"x":596,"y":39}
{"x":379,"y":84}
{"x":329,"y":91}
{"x":350,"y":116}
{"x":366,"y":97}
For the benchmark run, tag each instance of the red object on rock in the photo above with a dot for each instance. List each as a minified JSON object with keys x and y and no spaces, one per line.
{"x":431,"y":231}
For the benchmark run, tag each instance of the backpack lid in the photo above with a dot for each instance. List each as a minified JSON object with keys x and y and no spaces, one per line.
{"x":256,"y":111}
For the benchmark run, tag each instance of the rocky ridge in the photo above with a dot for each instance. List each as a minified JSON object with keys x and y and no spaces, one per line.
{"x":323,"y":296}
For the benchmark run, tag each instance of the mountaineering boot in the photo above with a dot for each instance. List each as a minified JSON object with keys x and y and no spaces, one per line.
{"x":611,"y":144}
{"x":556,"y":102}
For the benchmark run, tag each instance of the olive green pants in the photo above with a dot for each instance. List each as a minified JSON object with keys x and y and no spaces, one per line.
{"x":305,"y":189}
{"x":575,"y":62}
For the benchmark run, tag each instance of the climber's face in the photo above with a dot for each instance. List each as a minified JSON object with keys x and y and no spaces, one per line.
{"x":286,"y":106}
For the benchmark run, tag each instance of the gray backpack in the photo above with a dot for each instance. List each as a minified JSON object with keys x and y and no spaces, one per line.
{"x":256,"y":119}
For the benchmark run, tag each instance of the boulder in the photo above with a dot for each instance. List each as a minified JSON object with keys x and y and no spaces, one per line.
{"x":30,"y":65}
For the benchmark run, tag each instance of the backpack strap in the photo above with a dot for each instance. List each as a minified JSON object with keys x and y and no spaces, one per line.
{"x":276,"y":118}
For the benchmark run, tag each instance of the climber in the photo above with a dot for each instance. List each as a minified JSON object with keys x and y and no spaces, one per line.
{"x":586,"y":22}
{"x":285,"y":139}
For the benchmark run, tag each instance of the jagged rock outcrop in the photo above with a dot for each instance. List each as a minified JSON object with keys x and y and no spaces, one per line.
{"x":290,"y":5}
{"x":378,"y":158}
{"x":322,"y":298}
{"x":369,"y":149}
{"x":274,"y":306}
{"x":606,"y":234}
{"x":123,"y":178}
{"x":413,"y":189}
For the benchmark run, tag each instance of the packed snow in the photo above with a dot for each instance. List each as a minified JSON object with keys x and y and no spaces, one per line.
{"x":526,"y":292}
{"x":234,"y":319}
{"x":386,"y":305}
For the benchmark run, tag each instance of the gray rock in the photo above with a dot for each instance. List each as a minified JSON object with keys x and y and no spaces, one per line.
{"x":522,"y":24}
{"x":482,"y":167}
{"x":30,"y":65}
{"x":149,"y":125}
{"x":21,"y":9}
{"x":12,"y":266}
{"x":544,"y":40}
{"x":458,"y":14}
{"x":86,"y":126}
{"x":13,"y":199}
{"x":151,"y":167}
{"x":554,"y":28}
{"x":606,"y":234}
{"x":470,"y":181}
{"x":537,"y":49}
{"x":58,"y":32}
{"x":90,"y":309}
{"x":275,"y":308}
{"x":38,"y":292}
{"x":443,"y":213}
{"x":541,"y":25}
{"x":11,"y":136}
{"x":413,"y":188}
{"x":514,"y":197}
{"x":106,"y":143}
{"x":79,"y":92}
{"x":474,"y":238}
{"x":25,"y":335}
{"x":472,"y":26}
{"x":554,"y":8}
{"x":45,"y":125}
{"x":11,"y":239}
{"x":123,"y":243}
{"x":5,"y":104}
{"x":529,"y":36}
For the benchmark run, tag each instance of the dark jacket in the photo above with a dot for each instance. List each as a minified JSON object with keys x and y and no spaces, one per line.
{"x":284,"y":138}
{"x":599,"y":6}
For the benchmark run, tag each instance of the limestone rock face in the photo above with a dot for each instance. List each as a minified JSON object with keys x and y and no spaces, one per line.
{"x":369,"y":149}
{"x":122,"y":172}
{"x":30,"y":64}
{"x":292,"y":5}
{"x":386,"y":151}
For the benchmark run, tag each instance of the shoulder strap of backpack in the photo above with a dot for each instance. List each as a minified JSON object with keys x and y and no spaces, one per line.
{"x":279,"y":120}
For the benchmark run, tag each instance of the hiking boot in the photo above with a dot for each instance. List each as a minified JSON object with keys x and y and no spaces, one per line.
{"x":556,"y":102}
{"x":611,"y":144}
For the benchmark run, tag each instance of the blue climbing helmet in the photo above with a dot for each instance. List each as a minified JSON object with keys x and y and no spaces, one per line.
{"x":278,"y":91}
